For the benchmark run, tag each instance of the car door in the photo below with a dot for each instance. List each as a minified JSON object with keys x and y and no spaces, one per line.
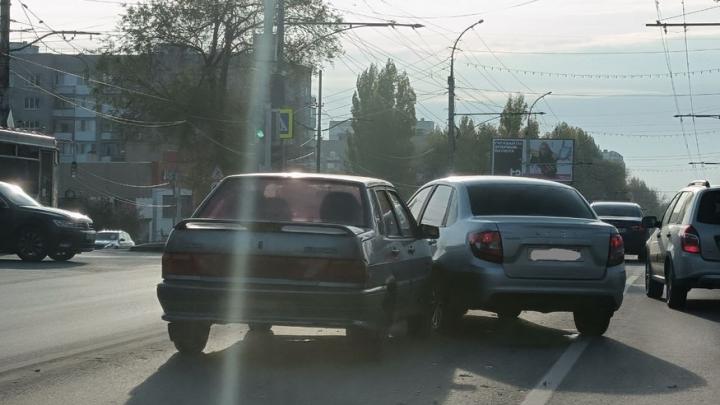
{"x":435,"y":213}
{"x":397,"y":249}
{"x":417,"y":260}
{"x":655,"y":257}
{"x":669,"y":237}
{"x":6,"y":223}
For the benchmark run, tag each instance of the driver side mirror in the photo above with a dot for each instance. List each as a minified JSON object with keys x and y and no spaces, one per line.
{"x":650,"y":222}
{"x":429,"y":232}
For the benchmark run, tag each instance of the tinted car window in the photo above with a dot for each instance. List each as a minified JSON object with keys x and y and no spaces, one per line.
{"x":617,"y":210}
{"x":389,"y":221}
{"x":679,"y":211}
{"x":709,"y":210}
{"x":437,"y":207}
{"x":524,"y":199}
{"x":287,"y":200}
{"x":417,"y":202}
{"x":17,"y":196}
{"x":406,"y":227}
{"x":669,"y":209}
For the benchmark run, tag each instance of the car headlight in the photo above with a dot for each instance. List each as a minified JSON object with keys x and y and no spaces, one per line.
{"x":66,"y":224}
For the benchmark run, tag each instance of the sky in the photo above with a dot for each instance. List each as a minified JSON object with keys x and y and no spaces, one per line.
{"x":609,"y":74}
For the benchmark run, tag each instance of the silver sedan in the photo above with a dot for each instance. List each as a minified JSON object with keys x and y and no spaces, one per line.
{"x":509,"y":244}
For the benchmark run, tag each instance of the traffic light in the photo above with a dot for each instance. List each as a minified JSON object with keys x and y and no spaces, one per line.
{"x":259,"y":133}
{"x":73,"y":169}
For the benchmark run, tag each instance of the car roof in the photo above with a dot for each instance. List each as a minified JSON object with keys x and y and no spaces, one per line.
{"x":625,"y":203}
{"x":368,"y":181}
{"x":487,"y":180}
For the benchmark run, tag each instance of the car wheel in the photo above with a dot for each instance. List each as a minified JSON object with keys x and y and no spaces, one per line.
{"x":259,"y":327}
{"x":653,"y":288}
{"x":508,"y":314}
{"x":61,"y":256}
{"x":31,"y":245}
{"x":430,"y":320}
{"x":676,"y":293}
{"x":592,"y":322}
{"x":189,"y":337}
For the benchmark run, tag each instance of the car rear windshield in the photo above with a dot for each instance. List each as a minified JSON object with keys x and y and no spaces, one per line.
{"x":527,"y":200}
{"x":106,"y":236}
{"x":709,"y":212}
{"x":617,"y":210}
{"x":287,"y":200}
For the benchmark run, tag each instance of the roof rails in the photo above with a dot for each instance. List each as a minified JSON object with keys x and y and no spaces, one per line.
{"x":701,"y":183}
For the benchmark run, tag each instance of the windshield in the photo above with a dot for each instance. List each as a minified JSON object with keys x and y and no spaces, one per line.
{"x":287,"y":200}
{"x":107,"y":236}
{"x":17,"y":196}
{"x":527,"y":200}
{"x":618,"y":210}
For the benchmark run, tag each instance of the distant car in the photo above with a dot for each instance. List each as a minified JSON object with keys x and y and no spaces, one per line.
{"x":298,"y":250}
{"x":107,"y":239}
{"x":683,"y":251}
{"x":509,"y":244}
{"x":627,"y":218}
{"x":33,"y":231}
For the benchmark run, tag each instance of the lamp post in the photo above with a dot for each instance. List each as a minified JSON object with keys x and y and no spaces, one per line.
{"x":529,"y":114}
{"x":451,"y":96}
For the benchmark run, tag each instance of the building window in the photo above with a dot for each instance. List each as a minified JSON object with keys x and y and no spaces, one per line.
{"x":83,"y":125}
{"x":33,"y":80}
{"x":63,"y":126}
{"x":62,"y":104}
{"x":32,"y":103}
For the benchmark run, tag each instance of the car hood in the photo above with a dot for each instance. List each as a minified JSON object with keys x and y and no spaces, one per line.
{"x":57,"y":212}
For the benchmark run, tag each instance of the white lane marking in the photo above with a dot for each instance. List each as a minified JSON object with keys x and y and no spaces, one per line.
{"x":544,"y":390}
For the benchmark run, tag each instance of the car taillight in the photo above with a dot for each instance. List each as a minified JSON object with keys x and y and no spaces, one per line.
{"x":177,"y":264}
{"x":616,"y":254}
{"x":690,"y":240}
{"x":487,"y":245}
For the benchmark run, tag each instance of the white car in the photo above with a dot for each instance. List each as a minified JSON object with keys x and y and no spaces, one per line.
{"x":113,"y":240}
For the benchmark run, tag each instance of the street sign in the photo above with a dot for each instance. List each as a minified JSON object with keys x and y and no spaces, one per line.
{"x":284,"y":121}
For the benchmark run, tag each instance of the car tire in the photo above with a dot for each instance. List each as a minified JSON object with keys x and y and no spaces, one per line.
{"x":676,"y":293}
{"x":61,"y":256}
{"x":508,"y":314}
{"x":259,"y":327}
{"x":424,"y":324}
{"x":31,"y":244}
{"x":189,"y":338}
{"x":653,"y":288}
{"x":592,"y":322}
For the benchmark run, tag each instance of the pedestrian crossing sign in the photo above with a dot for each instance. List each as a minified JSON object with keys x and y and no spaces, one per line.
{"x":285,"y":123}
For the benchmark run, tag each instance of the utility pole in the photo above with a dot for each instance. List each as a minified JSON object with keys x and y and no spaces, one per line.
{"x":527,"y":124}
{"x":451,"y":97}
{"x":4,"y":61}
{"x":268,"y":41}
{"x":319,"y":121}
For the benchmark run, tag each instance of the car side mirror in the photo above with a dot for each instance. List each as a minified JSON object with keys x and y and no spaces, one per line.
{"x":650,"y":222}
{"x":429,"y":232}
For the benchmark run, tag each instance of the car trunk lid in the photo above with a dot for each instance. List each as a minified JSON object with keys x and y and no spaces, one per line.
{"x":554,"y":247}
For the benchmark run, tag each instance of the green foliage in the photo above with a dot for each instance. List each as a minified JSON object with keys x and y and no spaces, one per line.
{"x":648,"y":198}
{"x":383,"y":109}
{"x":189,"y":61}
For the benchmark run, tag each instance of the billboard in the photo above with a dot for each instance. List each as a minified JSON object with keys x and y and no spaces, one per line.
{"x":550,"y":159}
{"x":507,"y":157}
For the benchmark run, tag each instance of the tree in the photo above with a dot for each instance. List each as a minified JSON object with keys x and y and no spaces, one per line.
{"x":383,"y":122}
{"x":648,"y":198}
{"x":177,"y":60}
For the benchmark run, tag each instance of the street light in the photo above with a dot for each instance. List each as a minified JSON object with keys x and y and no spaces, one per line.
{"x":451,"y":96}
{"x":527,"y":126}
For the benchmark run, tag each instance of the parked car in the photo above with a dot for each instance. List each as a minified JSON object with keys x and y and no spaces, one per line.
{"x":298,"y":250}
{"x":627,"y":218}
{"x":683,"y":250}
{"x":509,"y":244}
{"x":33,"y":231}
{"x":107,"y":239}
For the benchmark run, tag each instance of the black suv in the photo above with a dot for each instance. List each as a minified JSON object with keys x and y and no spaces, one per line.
{"x":627,"y":218}
{"x":32,"y":231}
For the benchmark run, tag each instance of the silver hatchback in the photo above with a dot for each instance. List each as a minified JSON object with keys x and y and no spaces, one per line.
{"x":509,"y":244}
{"x":683,"y":251}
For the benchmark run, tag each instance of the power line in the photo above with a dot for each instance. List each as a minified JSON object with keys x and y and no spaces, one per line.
{"x":586,"y":53}
{"x":122,"y":184}
{"x":574,"y":75}
{"x":690,"y":90}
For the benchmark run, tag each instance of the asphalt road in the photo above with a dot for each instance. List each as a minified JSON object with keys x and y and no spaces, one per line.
{"x":89,"y":332}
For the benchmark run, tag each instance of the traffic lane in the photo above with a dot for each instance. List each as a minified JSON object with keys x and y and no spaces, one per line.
{"x":486,"y":361}
{"x":651,"y":355}
{"x":51,"y":309}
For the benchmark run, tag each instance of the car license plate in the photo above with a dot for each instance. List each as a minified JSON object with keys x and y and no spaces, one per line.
{"x":556,"y":255}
